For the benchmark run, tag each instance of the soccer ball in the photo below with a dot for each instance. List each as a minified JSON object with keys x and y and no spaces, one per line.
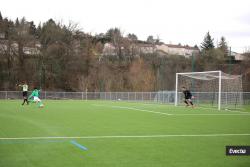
{"x":41,"y":106}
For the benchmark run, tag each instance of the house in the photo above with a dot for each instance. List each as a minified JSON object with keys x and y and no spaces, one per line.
{"x":146,"y":48}
{"x":190,"y":51}
{"x":237,"y":56}
{"x":32,"y":48}
{"x":2,"y":35}
{"x":161,"y":49}
{"x":109,"y":50}
{"x":180,"y":50}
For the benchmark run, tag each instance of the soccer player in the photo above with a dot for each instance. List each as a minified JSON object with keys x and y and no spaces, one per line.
{"x":25,"y":92}
{"x":35,"y":95}
{"x":188,"y":97}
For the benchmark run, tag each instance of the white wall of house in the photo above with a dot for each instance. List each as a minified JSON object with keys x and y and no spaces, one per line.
{"x":177,"y":51}
{"x":109,"y":49}
{"x":191,"y":51}
{"x":163,"y":48}
{"x":2,"y":35}
{"x":31,"y":51}
{"x":239,"y":57}
{"x":147,"y":49}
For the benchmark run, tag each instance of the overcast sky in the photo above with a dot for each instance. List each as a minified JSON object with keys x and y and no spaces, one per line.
{"x":174,"y":21}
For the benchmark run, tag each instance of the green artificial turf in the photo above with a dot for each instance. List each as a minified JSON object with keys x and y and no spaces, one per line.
{"x":119,"y":134}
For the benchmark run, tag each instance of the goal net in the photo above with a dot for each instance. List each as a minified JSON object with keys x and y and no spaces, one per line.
{"x":210,"y":89}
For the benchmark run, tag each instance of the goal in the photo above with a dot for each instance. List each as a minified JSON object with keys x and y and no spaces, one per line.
{"x":211,"y":89}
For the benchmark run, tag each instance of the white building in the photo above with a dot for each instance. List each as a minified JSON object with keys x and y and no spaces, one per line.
{"x":237,"y":56}
{"x":29,"y":49}
{"x":146,"y":48}
{"x":162,"y":49}
{"x":180,"y":50}
{"x":2,"y":35}
{"x":108,"y":50}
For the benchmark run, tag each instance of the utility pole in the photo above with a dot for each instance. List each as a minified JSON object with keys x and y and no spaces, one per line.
{"x":193,"y":63}
{"x":230,"y":61}
{"x":193,"y":70}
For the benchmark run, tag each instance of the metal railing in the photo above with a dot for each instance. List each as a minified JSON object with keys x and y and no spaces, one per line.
{"x":160,"y":97}
{"x":167,"y":97}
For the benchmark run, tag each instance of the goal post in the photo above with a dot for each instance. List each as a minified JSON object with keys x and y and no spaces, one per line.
{"x":211,"y":89}
{"x":219,"y":93}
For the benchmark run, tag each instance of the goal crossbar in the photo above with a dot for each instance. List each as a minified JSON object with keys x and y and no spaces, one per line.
{"x":198,"y":72}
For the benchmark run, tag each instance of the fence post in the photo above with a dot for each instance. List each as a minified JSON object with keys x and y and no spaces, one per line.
{"x":163,"y":97}
{"x":168,"y":96}
{"x":6,"y":95}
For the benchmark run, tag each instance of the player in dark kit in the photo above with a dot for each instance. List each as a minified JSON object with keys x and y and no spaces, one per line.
{"x":25,"y":92}
{"x":188,"y":97}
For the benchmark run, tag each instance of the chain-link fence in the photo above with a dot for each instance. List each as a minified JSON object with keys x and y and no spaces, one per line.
{"x":164,"y":97}
{"x":161,"y":96}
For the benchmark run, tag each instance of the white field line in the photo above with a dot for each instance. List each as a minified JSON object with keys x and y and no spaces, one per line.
{"x":131,"y":108}
{"x":216,"y":110}
{"x":137,"y":109}
{"x":213,"y":112}
{"x":107,"y":137}
{"x":156,"y":112}
{"x":208,"y":114}
{"x":202,"y":107}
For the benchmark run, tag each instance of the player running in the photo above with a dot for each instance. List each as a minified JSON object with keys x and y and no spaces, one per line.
{"x":188,"y":97}
{"x":25,"y":92}
{"x":35,"y":95}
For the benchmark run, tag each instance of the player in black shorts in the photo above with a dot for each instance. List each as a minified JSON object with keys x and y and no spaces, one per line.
{"x":188,"y":97}
{"x":25,"y":92}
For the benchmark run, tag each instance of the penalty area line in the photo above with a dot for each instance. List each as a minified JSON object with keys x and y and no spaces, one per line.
{"x":181,"y":114}
{"x":137,"y":109}
{"x":132,"y":136}
{"x":132,"y":108}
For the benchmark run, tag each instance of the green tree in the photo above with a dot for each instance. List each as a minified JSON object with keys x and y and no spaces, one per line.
{"x":116,"y":38}
{"x":38,"y":31}
{"x":223,"y":46}
{"x":132,"y":37}
{"x":1,"y":17}
{"x":23,"y":38}
{"x":114,"y":35}
{"x":151,"y":39}
{"x":207,"y":43}
{"x":55,"y":51}
{"x":17,"y":23}
{"x":32,"y":28}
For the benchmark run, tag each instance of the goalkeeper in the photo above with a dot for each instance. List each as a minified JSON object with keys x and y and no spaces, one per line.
{"x":188,"y":97}
{"x":35,"y":95}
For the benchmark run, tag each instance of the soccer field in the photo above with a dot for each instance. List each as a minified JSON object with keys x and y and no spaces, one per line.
{"x":119,"y":134}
